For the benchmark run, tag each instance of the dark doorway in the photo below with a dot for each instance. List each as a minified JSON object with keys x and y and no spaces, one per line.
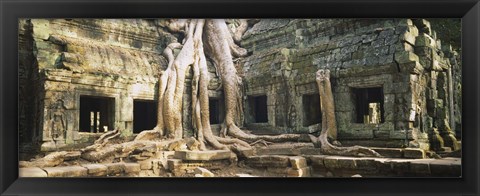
{"x":258,"y":105}
{"x":216,"y":107}
{"x":369,"y":105}
{"x":311,"y":109}
{"x":96,"y":114}
{"x":144,"y":115}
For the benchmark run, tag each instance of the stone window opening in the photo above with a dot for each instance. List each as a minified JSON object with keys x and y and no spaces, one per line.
{"x":144,"y":115}
{"x":369,"y":105}
{"x":96,"y":114}
{"x":216,"y":109}
{"x":258,"y":105}
{"x":311,"y":108}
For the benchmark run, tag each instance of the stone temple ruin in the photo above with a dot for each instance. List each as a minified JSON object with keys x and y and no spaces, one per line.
{"x":396,"y":87}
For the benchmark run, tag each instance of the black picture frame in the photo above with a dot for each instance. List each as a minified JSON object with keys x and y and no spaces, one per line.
{"x":11,"y":11}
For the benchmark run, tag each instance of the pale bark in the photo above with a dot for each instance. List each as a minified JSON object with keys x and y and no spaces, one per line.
{"x":329,"y":127}
{"x":218,"y":45}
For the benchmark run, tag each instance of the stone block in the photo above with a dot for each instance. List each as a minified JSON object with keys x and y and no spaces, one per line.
{"x":405,"y":57}
{"x":399,"y":166}
{"x":31,"y":172}
{"x":268,"y":161}
{"x":420,"y":167}
{"x":203,"y":172}
{"x":173,"y":163}
{"x":446,"y":167}
{"x":389,"y":152}
{"x":132,"y":168}
{"x":365,"y":164}
{"x":115,"y":168}
{"x":337,"y":162}
{"x":383,"y":165}
{"x":203,"y":155}
{"x":96,"y":169}
{"x":317,"y":161}
{"x":413,"y":153}
{"x":298,"y":162}
{"x":69,"y":171}
{"x":145,"y":165}
{"x":300,"y":172}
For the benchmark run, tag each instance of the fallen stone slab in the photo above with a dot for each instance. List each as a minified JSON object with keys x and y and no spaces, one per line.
{"x":203,"y":155}
{"x":31,"y":172}
{"x":68,"y":171}
{"x":96,"y":169}
{"x":203,"y":172}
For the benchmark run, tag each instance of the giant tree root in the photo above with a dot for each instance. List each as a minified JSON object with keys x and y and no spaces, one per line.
{"x":221,"y":48}
{"x":329,"y":127}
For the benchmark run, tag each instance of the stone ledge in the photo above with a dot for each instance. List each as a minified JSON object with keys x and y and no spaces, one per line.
{"x":132,"y":168}
{"x":115,"y":168}
{"x":203,"y":155}
{"x":447,"y":167}
{"x":96,"y":169}
{"x":31,"y":172}
{"x":300,"y":172}
{"x":68,"y":171}
{"x":268,"y":161}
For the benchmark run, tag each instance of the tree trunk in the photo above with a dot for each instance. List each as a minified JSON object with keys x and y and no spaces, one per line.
{"x":329,"y":127}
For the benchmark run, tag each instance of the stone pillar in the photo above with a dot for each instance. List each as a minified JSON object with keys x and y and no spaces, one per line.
{"x":450,"y":99}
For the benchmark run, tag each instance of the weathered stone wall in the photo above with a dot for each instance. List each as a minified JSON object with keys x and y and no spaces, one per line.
{"x":120,"y":59}
{"x":361,"y":53}
{"x":438,"y":88}
{"x":62,"y":60}
{"x":420,"y":78}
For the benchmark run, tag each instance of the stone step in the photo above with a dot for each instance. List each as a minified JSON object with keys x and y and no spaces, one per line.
{"x":299,"y":172}
{"x":208,"y":155}
{"x":86,"y":170}
{"x":367,"y":166}
{"x":306,"y":149}
{"x":268,"y":161}
{"x":179,"y":167}
{"x":32,"y":172}
{"x":96,"y":169}
{"x":68,"y":171}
